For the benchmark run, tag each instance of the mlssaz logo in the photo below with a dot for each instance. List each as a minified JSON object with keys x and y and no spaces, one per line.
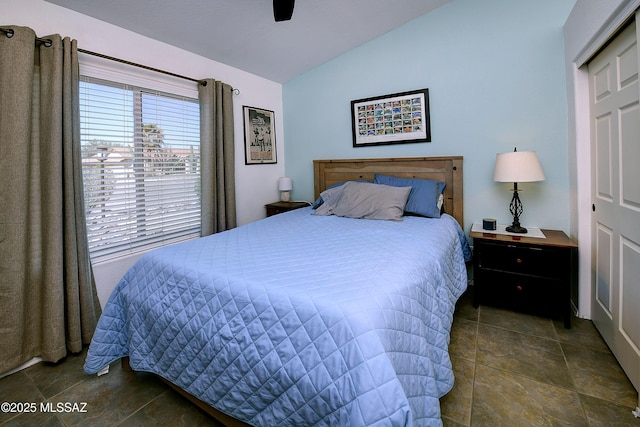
{"x":63,"y":407}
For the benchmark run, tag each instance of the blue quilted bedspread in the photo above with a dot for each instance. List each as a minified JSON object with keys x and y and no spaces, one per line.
{"x":297,"y":320}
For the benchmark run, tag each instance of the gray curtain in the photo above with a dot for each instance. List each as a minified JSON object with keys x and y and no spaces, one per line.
{"x":217,"y":157}
{"x":48,"y":300}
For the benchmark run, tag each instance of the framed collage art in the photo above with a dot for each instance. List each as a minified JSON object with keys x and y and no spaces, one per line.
{"x":398,"y":118}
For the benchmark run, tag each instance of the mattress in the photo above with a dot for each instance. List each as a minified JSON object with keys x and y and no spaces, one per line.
{"x":297,"y":319}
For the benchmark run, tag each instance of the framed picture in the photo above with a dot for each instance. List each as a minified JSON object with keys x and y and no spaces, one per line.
{"x":259,"y":136}
{"x":398,"y":118}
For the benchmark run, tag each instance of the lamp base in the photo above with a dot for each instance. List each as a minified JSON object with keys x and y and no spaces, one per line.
{"x":285,"y":196}
{"x":516,"y":229}
{"x":515,"y":207}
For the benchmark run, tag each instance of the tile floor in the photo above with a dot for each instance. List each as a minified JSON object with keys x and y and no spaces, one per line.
{"x":511,"y":370}
{"x":120,"y":398}
{"x":515,"y":369}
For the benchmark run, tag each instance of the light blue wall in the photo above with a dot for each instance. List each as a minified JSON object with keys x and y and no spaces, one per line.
{"x":496,"y":79}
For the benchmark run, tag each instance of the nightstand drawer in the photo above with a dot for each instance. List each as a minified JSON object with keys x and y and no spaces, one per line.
{"x":523,"y":293}
{"x":522,"y":259}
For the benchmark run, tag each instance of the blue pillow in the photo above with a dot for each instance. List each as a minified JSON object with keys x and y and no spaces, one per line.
{"x":319,"y":200}
{"x":424,"y":195}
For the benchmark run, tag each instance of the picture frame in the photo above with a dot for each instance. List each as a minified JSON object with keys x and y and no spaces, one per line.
{"x":398,"y":118}
{"x":259,"y":136}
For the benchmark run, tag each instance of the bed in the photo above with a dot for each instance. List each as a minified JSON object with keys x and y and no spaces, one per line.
{"x":303,"y":319}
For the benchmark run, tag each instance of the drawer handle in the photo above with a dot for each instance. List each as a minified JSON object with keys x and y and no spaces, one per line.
{"x":518,"y":260}
{"x":519,"y":288}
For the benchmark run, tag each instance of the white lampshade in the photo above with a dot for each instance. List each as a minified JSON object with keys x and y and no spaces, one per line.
{"x":285,"y":184}
{"x":518,"y":166}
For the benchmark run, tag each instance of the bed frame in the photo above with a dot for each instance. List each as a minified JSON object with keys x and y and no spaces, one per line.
{"x":328,"y":172}
{"x":446,"y":169}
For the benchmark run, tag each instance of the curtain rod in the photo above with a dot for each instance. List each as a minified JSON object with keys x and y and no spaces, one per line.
{"x":47,"y":42}
{"x":123,"y":61}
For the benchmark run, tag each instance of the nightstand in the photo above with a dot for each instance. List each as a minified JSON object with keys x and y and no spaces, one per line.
{"x":280,"y":207}
{"x":525,"y":273}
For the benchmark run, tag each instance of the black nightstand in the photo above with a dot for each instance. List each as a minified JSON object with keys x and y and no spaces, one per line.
{"x":280,"y":207}
{"x":526,"y":274}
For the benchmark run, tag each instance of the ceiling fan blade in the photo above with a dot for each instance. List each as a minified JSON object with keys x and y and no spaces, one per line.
{"x":283,"y":9}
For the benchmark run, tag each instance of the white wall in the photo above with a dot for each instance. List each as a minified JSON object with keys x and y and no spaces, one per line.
{"x":256,"y":185}
{"x":587,"y":28}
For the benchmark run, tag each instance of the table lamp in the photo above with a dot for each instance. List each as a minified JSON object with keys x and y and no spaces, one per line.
{"x":517,"y":166}
{"x":285,"y":185}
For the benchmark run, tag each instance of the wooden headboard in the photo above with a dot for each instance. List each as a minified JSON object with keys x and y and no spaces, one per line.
{"x":447,"y":169}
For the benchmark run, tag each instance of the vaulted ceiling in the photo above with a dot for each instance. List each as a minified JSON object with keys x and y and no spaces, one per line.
{"x":244,"y":34}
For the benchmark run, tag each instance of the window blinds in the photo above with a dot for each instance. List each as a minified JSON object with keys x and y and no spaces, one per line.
{"x":141,"y":167}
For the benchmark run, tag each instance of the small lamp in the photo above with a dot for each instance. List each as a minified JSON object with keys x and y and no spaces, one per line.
{"x":518,"y":166}
{"x":285,"y":185}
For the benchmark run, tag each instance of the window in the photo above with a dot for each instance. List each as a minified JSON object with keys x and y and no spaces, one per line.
{"x":141,"y":167}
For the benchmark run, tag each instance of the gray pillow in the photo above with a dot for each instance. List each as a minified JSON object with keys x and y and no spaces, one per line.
{"x":365,"y":200}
